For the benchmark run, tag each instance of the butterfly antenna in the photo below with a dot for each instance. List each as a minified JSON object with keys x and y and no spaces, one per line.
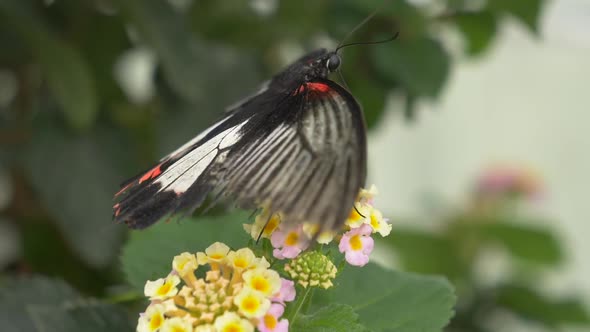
{"x":359,"y":212}
{"x":394,"y":37}
{"x":363,"y":22}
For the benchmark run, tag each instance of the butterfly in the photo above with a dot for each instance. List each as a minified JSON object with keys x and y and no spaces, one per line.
{"x":298,"y":145}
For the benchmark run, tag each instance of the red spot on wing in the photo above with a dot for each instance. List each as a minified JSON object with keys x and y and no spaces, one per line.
{"x":316,"y":87}
{"x":319,"y":87}
{"x":117,"y":209}
{"x":123,"y":189}
{"x":154,"y":172}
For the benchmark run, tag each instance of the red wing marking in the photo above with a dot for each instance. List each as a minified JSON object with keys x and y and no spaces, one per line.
{"x":317,"y":87}
{"x":117,"y":209}
{"x":123,"y":189}
{"x":154,"y":172}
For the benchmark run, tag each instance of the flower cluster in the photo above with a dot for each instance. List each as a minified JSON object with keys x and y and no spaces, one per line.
{"x":356,"y":243}
{"x":239,"y":291}
{"x":364,"y":220}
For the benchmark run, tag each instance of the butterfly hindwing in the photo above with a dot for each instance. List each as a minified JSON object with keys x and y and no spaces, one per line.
{"x":311,"y":165}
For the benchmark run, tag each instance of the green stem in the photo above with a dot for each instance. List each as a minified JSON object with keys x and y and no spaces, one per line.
{"x":298,"y":305}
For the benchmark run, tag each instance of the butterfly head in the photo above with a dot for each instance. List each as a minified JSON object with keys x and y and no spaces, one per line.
{"x":321,"y":65}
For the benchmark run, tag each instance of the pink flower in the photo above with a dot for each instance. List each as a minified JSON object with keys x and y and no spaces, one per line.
{"x":286,"y":293}
{"x":357,"y":244}
{"x":507,"y":180}
{"x":270,"y":322}
{"x":288,"y":244}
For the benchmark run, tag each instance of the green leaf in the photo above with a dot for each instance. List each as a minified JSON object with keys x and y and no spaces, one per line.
{"x":372,"y":97}
{"x":425,"y":252}
{"x":478,"y":28}
{"x":87,"y":316}
{"x":75,"y":178}
{"x":66,"y":71}
{"x":532,"y":305}
{"x":194,"y":70}
{"x":333,"y":318}
{"x":527,"y":11}
{"x":393,"y":301}
{"x":420,"y":65}
{"x":46,"y":305}
{"x":528,"y":242}
{"x":167,"y":32}
{"x":148,"y":254}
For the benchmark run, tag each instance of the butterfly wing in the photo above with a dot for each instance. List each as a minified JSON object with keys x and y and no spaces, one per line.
{"x":162,"y":189}
{"x":303,"y":151}
{"x":311,"y":165}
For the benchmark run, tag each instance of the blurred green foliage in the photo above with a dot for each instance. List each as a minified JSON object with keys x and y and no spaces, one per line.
{"x":493,"y":224}
{"x":70,"y":130}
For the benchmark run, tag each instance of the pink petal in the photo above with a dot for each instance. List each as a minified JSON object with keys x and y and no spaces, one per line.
{"x":282,"y":326}
{"x":356,"y":258}
{"x":276,"y":310}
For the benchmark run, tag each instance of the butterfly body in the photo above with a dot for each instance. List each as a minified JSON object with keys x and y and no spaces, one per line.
{"x":298,"y":145}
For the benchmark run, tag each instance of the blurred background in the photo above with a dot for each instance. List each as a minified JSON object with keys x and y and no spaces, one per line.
{"x":477,"y":116}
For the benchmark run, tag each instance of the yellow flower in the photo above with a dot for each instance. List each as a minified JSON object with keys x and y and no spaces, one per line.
{"x":155,"y":316}
{"x":215,"y":253}
{"x":261,"y":263}
{"x":184,"y":263}
{"x":176,"y":324}
{"x":241,"y":259}
{"x":231,"y":322}
{"x":251,"y":303}
{"x":162,"y":288}
{"x":358,"y":215}
{"x":380,"y":224}
{"x":263,"y":220}
{"x":205,"y":328}
{"x":324,"y":237}
{"x":367,"y":195}
{"x":268,"y":282}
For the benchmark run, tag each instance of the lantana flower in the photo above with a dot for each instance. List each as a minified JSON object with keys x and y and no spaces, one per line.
{"x":215,"y":253}
{"x":235,"y":294}
{"x":271,"y":323}
{"x":251,"y":303}
{"x":162,"y":288}
{"x":176,"y":324}
{"x":266,"y":281}
{"x":286,"y":293}
{"x":242,"y":259}
{"x":357,"y":244}
{"x":359,"y":215}
{"x":379,"y":224}
{"x":264,"y":224}
{"x":289,"y":243}
{"x":325,"y":237}
{"x":232,"y":322}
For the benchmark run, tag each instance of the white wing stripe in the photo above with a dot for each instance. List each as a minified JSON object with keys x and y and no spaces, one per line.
{"x":186,"y":180}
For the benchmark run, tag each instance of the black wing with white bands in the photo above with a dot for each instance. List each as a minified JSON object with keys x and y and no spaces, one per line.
{"x":311,"y":166}
{"x":302,"y":151}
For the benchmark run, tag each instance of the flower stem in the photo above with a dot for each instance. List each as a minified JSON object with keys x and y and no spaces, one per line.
{"x":299,"y":305}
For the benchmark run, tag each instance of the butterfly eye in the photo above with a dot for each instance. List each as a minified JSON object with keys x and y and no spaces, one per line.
{"x":333,"y":62}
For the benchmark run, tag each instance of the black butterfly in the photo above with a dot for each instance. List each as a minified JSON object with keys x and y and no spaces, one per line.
{"x":298,"y":144}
